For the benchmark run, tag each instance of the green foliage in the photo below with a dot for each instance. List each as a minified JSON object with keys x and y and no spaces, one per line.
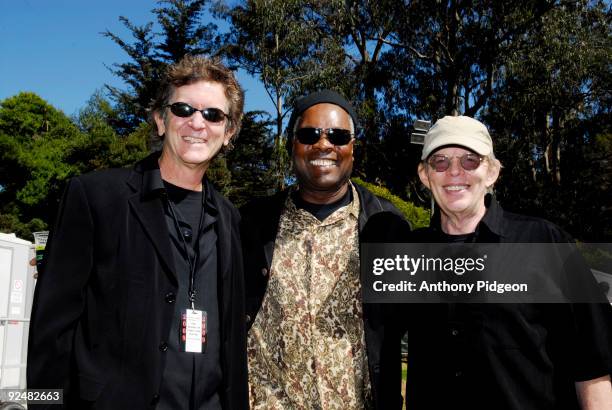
{"x":35,"y":138}
{"x":27,"y":116}
{"x":286,"y":44}
{"x":10,"y":223}
{"x":251,"y":173}
{"x":597,"y":255}
{"x":42,"y":148}
{"x":551,"y":121}
{"x":219,"y":175}
{"x":101,"y":146}
{"x":417,"y":216}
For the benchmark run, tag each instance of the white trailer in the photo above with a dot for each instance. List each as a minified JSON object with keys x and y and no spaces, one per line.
{"x":16,"y":294}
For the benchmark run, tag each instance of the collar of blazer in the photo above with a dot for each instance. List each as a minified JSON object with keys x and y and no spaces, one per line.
{"x":148,"y":205}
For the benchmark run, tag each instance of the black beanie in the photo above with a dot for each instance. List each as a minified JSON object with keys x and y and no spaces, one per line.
{"x":318,"y":97}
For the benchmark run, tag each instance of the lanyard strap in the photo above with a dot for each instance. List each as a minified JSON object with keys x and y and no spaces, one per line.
{"x":192,"y":263}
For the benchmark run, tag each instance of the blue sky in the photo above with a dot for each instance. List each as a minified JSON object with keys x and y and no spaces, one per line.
{"x":54,"y":48}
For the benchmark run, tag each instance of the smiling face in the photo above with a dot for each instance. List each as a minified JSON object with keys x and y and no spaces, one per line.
{"x":459,"y":193}
{"x":192,"y":142}
{"x":323,"y":169}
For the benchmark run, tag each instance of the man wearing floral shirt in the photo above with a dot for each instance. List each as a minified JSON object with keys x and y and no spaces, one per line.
{"x":312,"y":342}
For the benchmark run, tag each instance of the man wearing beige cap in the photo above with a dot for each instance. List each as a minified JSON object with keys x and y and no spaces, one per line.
{"x":497,"y":355}
{"x":451,"y":130}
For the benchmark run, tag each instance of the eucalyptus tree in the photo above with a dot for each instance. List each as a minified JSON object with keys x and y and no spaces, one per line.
{"x":286,"y":46}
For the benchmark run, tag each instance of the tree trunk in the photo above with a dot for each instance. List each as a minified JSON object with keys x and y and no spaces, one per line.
{"x":546,"y":145}
{"x":552,"y":152}
{"x":452,"y":77}
{"x":278,"y":160}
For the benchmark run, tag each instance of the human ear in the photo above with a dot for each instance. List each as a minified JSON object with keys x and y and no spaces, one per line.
{"x":159,"y":121}
{"x":493,"y":172}
{"x":422,"y":171}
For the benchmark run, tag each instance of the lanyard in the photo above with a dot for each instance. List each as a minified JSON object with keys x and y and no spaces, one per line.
{"x":191,"y":262}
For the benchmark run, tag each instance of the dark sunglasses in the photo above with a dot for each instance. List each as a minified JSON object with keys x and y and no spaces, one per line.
{"x":336,"y":136}
{"x":184,"y":110}
{"x":441,"y":163}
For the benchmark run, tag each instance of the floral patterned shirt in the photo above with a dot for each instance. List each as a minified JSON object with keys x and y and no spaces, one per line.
{"x":306,"y":348}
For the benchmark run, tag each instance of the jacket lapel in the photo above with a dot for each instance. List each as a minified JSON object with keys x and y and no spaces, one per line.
{"x":150,"y":213}
{"x":224,"y":261}
{"x":271,"y":228}
{"x":224,"y":236}
{"x":147,"y":202}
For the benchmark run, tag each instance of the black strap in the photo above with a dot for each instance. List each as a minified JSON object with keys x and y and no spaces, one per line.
{"x":192,"y":262}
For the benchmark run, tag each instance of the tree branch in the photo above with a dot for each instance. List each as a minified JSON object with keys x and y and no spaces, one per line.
{"x":404,"y":46}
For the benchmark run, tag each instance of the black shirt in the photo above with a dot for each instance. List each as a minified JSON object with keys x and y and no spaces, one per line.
{"x":322,"y":211}
{"x":192,"y":380}
{"x":503,"y":356}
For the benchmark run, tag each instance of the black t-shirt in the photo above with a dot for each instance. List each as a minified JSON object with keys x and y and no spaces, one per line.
{"x":322,"y":211}
{"x":463,"y":238}
{"x":188,"y":205}
{"x":192,"y":380}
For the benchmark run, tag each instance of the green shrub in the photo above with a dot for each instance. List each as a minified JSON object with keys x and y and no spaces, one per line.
{"x":597,"y":255}
{"x":417,"y":216}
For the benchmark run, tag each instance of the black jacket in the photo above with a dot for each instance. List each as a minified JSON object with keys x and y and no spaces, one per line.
{"x":260,"y":220}
{"x":104,"y":300}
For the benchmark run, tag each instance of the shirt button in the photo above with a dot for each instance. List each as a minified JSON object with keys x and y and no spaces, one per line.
{"x":155,"y":399}
{"x":454,"y":332}
{"x":170,"y":297}
{"x":264,"y":271}
{"x":248,"y":318}
{"x":187,"y":234}
{"x":163,"y":346}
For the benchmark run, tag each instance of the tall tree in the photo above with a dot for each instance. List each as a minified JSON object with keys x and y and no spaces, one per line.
{"x":249,"y":161}
{"x":34,"y":138}
{"x":182,"y":32}
{"x":364,"y":29}
{"x":40,"y":148}
{"x":552,"y":112}
{"x":447,"y":55}
{"x":282,"y":43}
{"x":102,"y":147}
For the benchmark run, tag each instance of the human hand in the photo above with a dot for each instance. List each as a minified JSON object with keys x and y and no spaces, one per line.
{"x":33,"y":263}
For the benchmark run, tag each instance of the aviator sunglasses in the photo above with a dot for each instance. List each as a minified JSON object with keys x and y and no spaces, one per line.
{"x":441,"y":163}
{"x":336,"y":136}
{"x":184,"y":110}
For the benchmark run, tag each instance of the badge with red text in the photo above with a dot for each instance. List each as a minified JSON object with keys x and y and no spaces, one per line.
{"x":193,"y":331}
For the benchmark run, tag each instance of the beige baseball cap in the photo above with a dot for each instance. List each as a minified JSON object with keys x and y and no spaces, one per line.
{"x":464,"y":131}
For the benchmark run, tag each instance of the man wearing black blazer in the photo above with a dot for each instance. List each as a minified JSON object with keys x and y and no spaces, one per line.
{"x":140,"y":302}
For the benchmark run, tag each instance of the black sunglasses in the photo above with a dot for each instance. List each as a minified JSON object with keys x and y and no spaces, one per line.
{"x":184,"y":110}
{"x":441,"y":163}
{"x":336,"y":136}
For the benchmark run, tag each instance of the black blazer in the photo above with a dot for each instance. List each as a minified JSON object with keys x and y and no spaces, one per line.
{"x":103,"y":303}
{"x":378,"y":221}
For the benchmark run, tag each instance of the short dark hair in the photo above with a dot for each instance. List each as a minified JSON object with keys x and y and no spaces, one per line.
{"x":191,"y":69}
